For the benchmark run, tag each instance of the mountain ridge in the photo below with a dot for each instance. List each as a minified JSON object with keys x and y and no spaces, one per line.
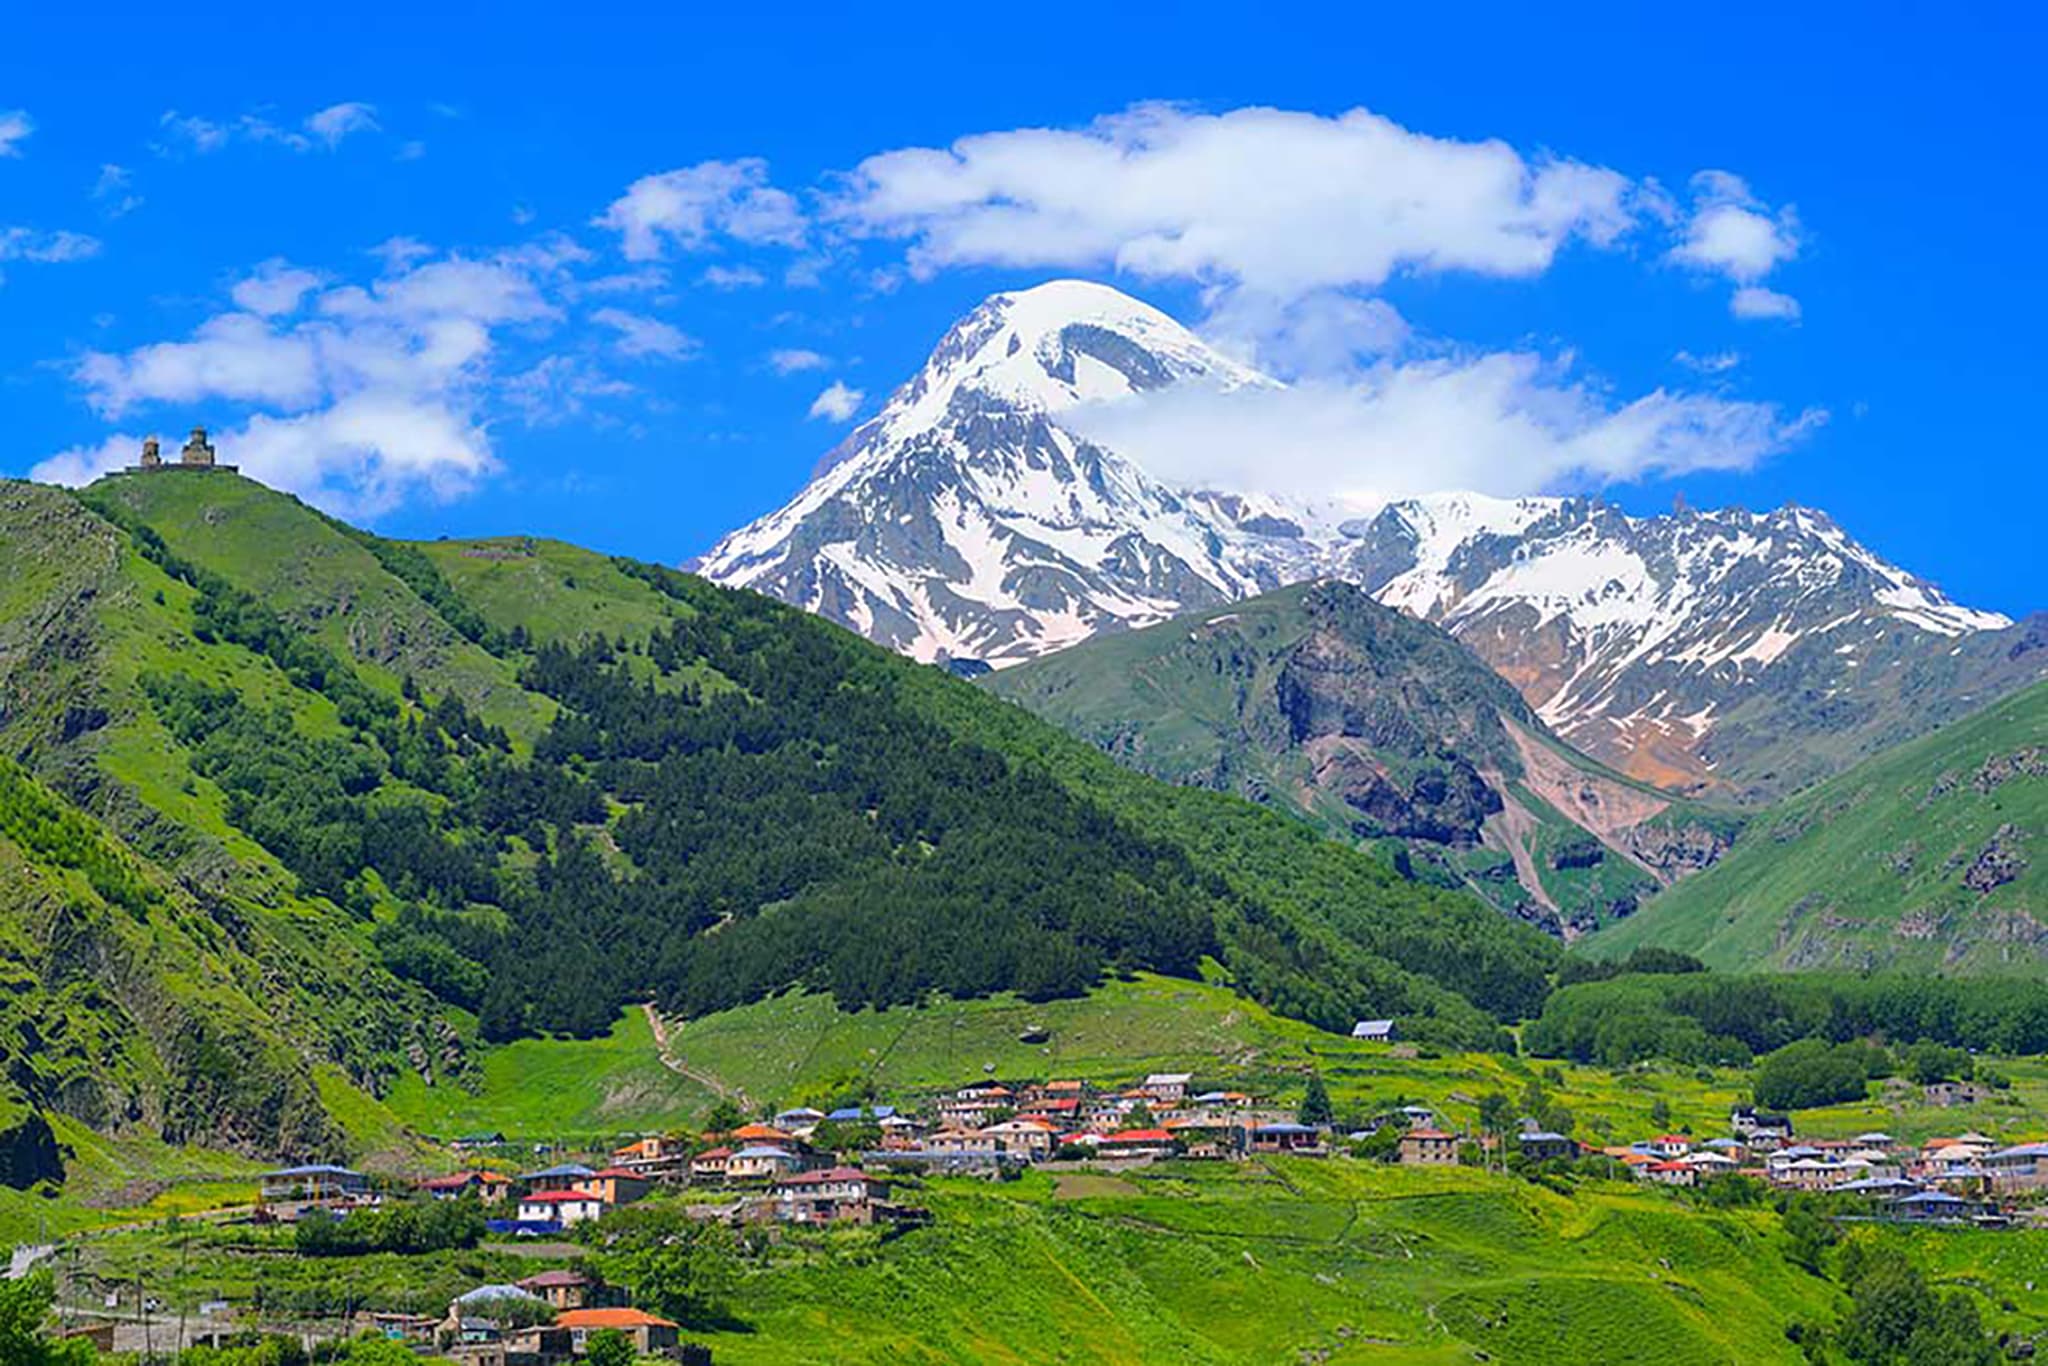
{"x":974,"y":520}
{"x":1377,"y":727}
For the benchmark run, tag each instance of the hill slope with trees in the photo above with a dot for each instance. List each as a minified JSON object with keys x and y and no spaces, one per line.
{"x":372,"y":791}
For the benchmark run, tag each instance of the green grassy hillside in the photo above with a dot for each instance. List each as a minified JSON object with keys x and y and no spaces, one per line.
{"x":1929,"y":857}
{"x":1375,"y":727}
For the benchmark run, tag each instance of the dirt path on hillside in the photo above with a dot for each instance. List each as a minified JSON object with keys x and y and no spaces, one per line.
{"x":675,"y":1064}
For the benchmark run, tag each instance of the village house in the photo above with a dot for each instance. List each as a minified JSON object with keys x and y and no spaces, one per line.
{"x":1958,"y":1159}
{"x":655,"y":1156}
{"x":1285,"y":1136}
{"x":1166,"y":1088}
{"x":764,"y":1134}
{"x":1056,"y":1113}
{"x":828,"y":1196}
{"x":1130,"y":1144}
{"x":761,"y":1162}
{"x":2021,"y":1167}
{"x":1948,"y":1094}
{"x":973,"y":1104}
{"x":710,"y":1164}
{"x":316,"y":1184}
{"x":1374,"y":1031}
{"x":1760,"y":1129}
{"x":1877,"y":1187}
{"x":1667,"y":1146}
{"x":965,"y":1143}
{"x":1670,"y":1172}
{"x":1540,"y":1145}
{"x":1812,"y":1173}
{"x":560,"y":1207}
{"x":1709,"y":1163}
{"x":1027,"y":1140}
{"x":470,"y":1143}
{"x":561,"y":1288}
{"x":614,"y":1185}
{"x":1933,"y":1207}
{"x":1204,"y":1136}
{"x":862,"y":1114}
{"x":799,"y":1119}
{"x":539,"y":1344}
{"x":651,"y":1336}
{"x":1428,"y":1148}
{"x":555,"y":1177}
{"x":488,"y":1187}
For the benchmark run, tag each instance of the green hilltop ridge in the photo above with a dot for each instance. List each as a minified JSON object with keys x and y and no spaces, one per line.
{"x":1926,"y":858}
{"x":1376,"y":727}
{"x":293,"y":814}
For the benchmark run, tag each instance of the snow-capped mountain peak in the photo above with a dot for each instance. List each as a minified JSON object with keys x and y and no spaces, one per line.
{"x":1056,"y":346}
{"x":965,"y":520}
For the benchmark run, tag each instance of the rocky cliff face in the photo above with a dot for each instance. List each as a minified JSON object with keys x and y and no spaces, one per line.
{"x":1377,"y":727}
{"x":1723,"y":651}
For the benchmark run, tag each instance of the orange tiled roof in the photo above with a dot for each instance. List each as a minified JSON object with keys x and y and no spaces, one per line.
{"x":609,"y":1318}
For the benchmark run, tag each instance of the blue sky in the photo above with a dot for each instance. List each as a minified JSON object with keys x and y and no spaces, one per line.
{"x":487,"y":269}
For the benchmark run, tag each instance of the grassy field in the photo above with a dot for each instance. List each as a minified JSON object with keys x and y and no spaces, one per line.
{"x":1331,"y":1262}
{"x":544,"y":1090}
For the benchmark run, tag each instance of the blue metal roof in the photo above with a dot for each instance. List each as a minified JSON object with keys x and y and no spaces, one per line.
{"x":565,"y":1169}
{"x":855,"y":1112}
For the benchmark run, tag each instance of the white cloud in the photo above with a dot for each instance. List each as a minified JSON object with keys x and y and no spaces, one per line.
{"x":115,"y":191}
{"x":46,"y":248}
{"x":732,"y":277}
{"x":1319,"y":334}
{"x":560,"y":388}
{"x":1733,"y":233}
{"x":353,"y":395}
{"x":1754,"y":301}
{"x":274,"y":287}
{"x":233,"y":355}
{"x":15,"y":127}
{"x":329,"y":127}
{"x":337,"y":121}
{"x":837,"y":403}
{"x":644,"y":280}
{"x":643,"y":336}
{"x":795,"y":359}
{"x":83,"y":464}
{"x":692,"y":206}
{"x":1265,"y":200}
{"x":1713,"y":363}
{"x":1507,"y":423}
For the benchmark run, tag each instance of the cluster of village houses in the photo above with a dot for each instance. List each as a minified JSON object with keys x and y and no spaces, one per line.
{"x":773,"y":1172}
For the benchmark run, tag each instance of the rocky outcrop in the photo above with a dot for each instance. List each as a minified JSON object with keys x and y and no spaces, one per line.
{"x":28,"y":1148}
{"x":2000,"y":861}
